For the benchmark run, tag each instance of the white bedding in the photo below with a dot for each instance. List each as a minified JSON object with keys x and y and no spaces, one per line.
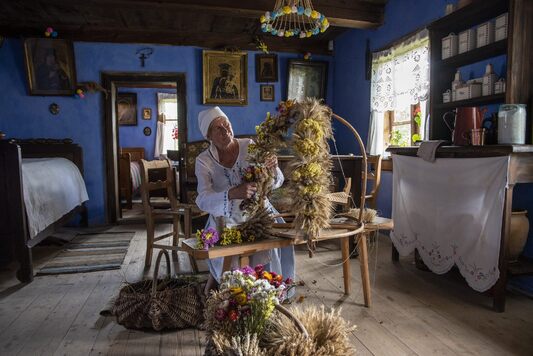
{"x":52,"y":188}
{"x":135,"y":170}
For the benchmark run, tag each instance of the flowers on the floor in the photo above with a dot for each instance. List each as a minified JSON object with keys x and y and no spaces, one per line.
{"x":245,"y":301}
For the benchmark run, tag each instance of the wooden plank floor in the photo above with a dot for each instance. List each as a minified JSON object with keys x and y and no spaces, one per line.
{"x":413,"y":312}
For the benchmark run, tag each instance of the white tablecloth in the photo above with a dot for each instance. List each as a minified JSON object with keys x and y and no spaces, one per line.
{"x":451,"y":211}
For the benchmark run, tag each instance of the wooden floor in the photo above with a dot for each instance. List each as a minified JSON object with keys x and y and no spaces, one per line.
{"x":413,"y":312}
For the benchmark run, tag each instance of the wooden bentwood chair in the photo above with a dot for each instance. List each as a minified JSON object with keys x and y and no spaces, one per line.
{"x":158,"y":180}
{"x":374,"y":175}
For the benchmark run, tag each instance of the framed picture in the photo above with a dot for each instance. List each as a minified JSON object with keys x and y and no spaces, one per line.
{"x":306,"y":79}
{"x":225,"y":78}
{"x":266,"y":92}
{"x":127,"y":109}
{"x":50,"y":66}
{"x":147,"y":131}
{"x":266,"y":68}
{"x":147,"y":113}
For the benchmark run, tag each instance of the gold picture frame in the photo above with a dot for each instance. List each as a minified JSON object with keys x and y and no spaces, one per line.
{"x":50,"y":66}
{"x":225,"y":78}
{"x":147,"y":113}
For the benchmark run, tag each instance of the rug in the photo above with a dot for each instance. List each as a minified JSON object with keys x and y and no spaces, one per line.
{"x":89,"y":253}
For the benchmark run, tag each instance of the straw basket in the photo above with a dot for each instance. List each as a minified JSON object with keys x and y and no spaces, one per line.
{"x":169,"y":303}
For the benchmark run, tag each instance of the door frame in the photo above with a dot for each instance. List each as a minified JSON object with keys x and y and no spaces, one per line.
{"x":110,"y":82}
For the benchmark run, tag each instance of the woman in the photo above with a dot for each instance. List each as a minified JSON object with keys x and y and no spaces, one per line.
{"x":221,"y":189}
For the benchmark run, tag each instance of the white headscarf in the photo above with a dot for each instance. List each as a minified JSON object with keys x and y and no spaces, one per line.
{"x":205,"y":118}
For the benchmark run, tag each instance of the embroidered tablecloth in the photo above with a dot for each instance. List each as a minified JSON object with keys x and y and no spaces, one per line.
{"x":451,"y":212}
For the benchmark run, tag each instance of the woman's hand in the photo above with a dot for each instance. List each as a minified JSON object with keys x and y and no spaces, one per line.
{"x":242,"y":191}
{"x":271,"y":163}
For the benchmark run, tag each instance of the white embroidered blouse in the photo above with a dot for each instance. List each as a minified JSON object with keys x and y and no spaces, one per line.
{"x":215,"y":180}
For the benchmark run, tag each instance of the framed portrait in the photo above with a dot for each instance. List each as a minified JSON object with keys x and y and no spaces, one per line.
{"x":50,"y":66}
{"x":307,"y":79}
{"x":266,"y":92}
{"x":225,"y":78}
{"x":266,"y":68}
{"x":147,"y":131}
{"x":127,"y":109}
{"x":147,"y":113}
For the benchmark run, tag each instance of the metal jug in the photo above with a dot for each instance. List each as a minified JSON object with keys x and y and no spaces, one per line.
{"x":465,"y":120}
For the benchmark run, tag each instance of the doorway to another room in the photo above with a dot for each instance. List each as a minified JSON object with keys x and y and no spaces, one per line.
{"x":145,"y":118}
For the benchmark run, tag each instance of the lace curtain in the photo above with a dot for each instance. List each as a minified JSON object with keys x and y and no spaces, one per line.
{"x":400,"y":76}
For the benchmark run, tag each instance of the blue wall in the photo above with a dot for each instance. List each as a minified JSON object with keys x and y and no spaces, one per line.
{"x":352,"y":91}
{"x":82,"y":119}
{"x":133,"y":136}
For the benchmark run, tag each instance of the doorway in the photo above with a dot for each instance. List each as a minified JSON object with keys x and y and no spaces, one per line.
{"x":122,"y":113}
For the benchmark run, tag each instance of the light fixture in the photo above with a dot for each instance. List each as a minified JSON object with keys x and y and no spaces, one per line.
{"x":293,"y":18}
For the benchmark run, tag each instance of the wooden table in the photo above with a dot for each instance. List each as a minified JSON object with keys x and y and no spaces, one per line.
{"x":520,"y":170}
{"x":291,"y":237}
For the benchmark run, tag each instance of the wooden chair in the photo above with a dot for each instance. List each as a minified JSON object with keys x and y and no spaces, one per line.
{"x":342,"y":198}
{"x":158,"y":180}
{"x":374,"y":176}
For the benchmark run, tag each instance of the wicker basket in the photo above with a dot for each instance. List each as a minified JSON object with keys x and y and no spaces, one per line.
{"x":169,"y":303}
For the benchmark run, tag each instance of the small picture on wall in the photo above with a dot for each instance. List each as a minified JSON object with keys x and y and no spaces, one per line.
{"x":267,"y":92}
{"x":127,"y":109}
{"x":147,"y":131}
{"x":147,"y":114}
{"x":266,"y":68}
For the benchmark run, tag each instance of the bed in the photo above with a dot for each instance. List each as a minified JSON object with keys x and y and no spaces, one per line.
{"x":129,"y":173}
{"x":31,"y":209}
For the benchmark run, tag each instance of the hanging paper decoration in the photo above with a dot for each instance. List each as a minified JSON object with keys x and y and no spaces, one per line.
{"x":50,"y":32}
{"x":80,"y":94}
{"x":293,"y":18}
{"x":175,"y":133}
{"x":261,"y":45}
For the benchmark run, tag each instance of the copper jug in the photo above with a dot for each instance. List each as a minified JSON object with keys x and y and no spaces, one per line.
{"x":465,"y":120}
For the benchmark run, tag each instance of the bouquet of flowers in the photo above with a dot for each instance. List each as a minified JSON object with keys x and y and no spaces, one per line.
{"x":245,"y":301}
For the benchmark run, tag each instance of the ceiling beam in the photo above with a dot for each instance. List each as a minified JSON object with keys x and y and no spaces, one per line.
{"x":340,"y":13}
{"x":212,"y":40}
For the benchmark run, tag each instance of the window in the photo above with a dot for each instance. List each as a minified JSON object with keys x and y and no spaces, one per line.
{"x":168,"y":114}
{"x":399,"y":91}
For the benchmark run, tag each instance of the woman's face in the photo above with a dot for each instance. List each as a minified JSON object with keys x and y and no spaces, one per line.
{"x":220,"y":132}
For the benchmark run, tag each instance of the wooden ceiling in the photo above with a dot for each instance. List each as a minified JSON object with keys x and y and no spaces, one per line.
{"x":206,"y":23}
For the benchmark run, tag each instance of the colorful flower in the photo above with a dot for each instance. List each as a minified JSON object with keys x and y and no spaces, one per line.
{"x":233,"y":315}
{"x":241,"y":298}
{"x":206,"y":238}
{"x":220,"y":314}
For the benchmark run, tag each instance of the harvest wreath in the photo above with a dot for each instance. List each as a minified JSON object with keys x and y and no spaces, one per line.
{"x":309,"y":173}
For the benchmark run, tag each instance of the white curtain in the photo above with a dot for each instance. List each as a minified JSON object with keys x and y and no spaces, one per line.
{"x":159,"y":138}
{"x":400,"y":76}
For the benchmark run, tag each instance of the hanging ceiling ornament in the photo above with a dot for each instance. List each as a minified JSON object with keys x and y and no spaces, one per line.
{"x":293,"y":18}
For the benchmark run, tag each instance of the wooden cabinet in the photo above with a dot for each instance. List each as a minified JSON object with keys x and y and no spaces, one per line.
{"x":518,"y":46}
{"x":519,"y":170}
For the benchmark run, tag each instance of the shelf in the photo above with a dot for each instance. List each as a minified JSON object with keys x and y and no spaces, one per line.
{"x":481,"y":100}
{"x":476,"y":55}
{"x":470,"y":16}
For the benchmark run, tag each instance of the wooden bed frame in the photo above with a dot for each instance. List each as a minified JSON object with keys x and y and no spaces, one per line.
{"x":14,"y":232}
{"x":127,"y":155}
